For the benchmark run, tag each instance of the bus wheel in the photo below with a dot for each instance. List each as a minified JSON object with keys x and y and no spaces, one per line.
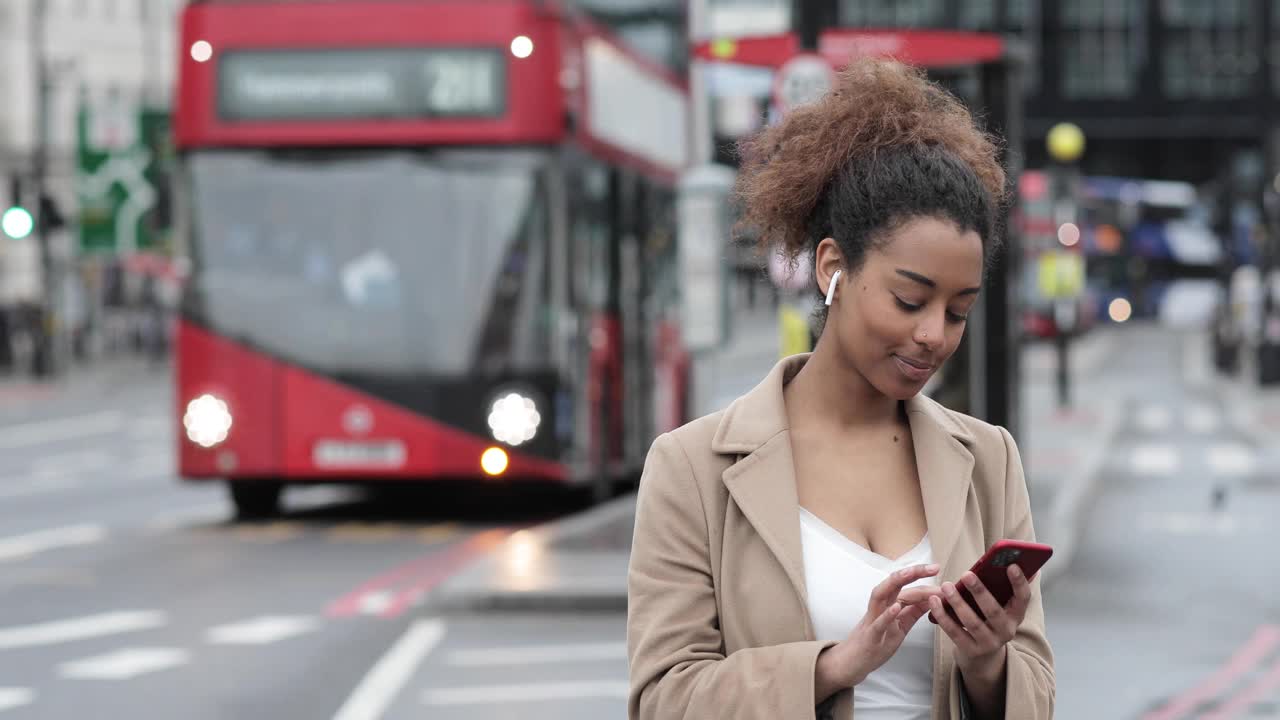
{"x":255,"y":500}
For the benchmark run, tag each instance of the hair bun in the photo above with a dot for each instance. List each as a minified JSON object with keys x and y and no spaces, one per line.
{"x":875,"y":105}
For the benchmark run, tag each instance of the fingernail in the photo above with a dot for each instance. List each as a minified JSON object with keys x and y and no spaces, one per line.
{"x":934,"y":602}
{"x":1017,"y":571}
{"x":932,"y":568}
{"x":949,"y":589}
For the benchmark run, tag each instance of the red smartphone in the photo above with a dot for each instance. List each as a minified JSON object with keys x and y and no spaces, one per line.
{"x":993,"y":570}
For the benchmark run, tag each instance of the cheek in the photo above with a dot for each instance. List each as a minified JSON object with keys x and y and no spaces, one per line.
{"x":879,"y":323}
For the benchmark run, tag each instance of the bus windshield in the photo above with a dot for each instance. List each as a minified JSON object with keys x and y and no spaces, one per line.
{"x":394,"y":261}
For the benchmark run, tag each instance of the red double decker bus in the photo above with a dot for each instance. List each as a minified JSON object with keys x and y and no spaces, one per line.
{"x":427,"y":239}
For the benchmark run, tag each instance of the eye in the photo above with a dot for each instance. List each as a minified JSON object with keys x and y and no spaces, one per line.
{"x":906,"y":305}
{"x":956,"y":318}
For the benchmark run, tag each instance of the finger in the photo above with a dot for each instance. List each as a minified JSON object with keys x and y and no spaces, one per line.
{"x":887,"y":591}
{"x":976,"y":627}
{"x":883,"y":621}
{"x":962,"y":640}
{"x":987,"y":602}
{"x":910,"y":616}
{"x":1017,"y":607}
{"x":918,"y":594}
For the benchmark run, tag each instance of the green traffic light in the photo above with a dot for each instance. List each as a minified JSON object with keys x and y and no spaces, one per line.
{"x":17,"y":222}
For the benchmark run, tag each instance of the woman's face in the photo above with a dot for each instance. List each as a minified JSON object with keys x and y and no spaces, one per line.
{"x":903,"y":314}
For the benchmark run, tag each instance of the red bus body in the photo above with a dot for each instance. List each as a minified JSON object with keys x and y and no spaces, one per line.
{"x":341,"y":161}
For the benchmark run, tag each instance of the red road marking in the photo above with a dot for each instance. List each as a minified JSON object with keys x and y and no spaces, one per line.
{"x":1264,"y":640}
{"x":1250,"y":695}
{"x":409,"y":582}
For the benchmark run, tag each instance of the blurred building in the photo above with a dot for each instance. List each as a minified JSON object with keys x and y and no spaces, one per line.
{"x":109,"y":56}
{"x":1162,"y":88}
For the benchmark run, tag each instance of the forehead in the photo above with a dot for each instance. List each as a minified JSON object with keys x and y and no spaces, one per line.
{"x":936,"y":249}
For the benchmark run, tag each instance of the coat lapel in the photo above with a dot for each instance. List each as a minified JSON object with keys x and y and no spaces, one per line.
{"x":762,"y":483}
{"x":763,"y":486}
{"x":945,"y":467}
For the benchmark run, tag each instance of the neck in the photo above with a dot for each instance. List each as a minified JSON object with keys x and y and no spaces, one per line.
{"x":830,"y":391}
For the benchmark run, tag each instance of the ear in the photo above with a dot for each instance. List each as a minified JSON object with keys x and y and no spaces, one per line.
{"x":827,"y":260}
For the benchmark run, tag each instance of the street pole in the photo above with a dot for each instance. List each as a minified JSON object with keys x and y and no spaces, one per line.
{"x":45,"y":361}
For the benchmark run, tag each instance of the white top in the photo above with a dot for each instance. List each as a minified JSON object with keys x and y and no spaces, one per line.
{"x":839,"y":575}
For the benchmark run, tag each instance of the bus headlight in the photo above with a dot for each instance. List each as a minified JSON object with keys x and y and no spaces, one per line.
{"x":514,"y":418}
{"x":207,"y":420}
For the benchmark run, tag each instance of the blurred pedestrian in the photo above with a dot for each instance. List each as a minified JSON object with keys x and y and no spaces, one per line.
{"x":787,"y":548}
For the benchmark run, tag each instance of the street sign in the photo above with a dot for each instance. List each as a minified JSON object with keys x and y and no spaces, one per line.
{"x":120,"y":174}
{"x":1061,"y":274}
{"x":802,"y":79}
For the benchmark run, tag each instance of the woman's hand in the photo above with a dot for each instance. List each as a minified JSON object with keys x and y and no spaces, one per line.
{"x":980,"y":643}
{"x":882,"y":629}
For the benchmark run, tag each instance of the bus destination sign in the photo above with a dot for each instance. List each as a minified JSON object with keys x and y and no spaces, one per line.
{"x":361,"y":84}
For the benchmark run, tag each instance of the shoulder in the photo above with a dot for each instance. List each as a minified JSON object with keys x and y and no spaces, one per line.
{"x":985,"y":440}
{"x":688,"y":445}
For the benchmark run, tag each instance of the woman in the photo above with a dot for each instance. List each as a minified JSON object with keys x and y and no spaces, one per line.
{"x":787,"y":548}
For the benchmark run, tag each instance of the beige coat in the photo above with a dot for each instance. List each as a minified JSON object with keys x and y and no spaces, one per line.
{"x":717,"y":618}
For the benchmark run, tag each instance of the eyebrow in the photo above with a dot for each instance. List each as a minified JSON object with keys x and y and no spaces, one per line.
{"x":931,"y":284}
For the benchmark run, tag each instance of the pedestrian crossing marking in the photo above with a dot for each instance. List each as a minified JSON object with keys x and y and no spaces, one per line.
{"x":1154,"y":460}
{"x":1232,"y":459}
{"x":12,"y":697}
{"x":262,"y":630}
{"x":82,"y":628}
{"x":125,"y":664}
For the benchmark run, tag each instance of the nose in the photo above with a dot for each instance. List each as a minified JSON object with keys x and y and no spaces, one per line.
{"x":929,"y":332}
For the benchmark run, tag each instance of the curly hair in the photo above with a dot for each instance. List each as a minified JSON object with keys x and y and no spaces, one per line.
{"x":884,"y":146}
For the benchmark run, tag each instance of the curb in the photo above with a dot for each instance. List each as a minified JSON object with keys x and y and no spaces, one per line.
{"x":528,"y":572}
{"x":1067,"y":510}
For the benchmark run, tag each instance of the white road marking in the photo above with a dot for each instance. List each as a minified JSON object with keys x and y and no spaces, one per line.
{"x":125,"y":664}
{"x":12,"y":697}
{"x":262,"y":631}
{"x":1154,"y":460}
{"x":1232,"y":459}
{"x":46,"y":431}
{"x":379,"y":688}
{"x":1154,"y":418}
{"x":1203,"y":419}
{"x":373,"y":603}
{"x":40,"y":485}
{"x":23,"y":546}
{"x":585,"y":652}
{"x":531,"y":692}
{"x":174,"y":519}
{"x":74,"y":462}
{"x":92,"y":626}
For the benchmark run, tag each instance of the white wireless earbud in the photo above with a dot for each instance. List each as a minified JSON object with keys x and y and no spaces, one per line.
{"x":831,"y":289}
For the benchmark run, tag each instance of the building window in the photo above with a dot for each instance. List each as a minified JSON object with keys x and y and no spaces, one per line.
{"x":1103,"y":48}
{"x":893,"y":13}
{"x":978,"y":15}
{"x":1022,"y":18}
{"x":1211,"y":50}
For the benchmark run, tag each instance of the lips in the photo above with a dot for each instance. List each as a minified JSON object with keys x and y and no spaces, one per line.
{"x":914,"y":370}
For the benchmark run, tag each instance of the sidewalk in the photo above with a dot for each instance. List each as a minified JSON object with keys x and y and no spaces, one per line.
{"x":25,"y":398}
{"x":1253,"y":410}
{"x":580,"y":563}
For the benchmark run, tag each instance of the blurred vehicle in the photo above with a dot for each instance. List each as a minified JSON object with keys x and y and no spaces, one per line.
{"x":426,"y":240}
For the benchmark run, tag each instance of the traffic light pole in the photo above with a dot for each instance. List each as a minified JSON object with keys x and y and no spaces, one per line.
{"x":45,"y":361}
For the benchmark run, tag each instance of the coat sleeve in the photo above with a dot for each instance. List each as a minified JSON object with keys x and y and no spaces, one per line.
{"x":677,"y":663}
{"x":1030,"y":684}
